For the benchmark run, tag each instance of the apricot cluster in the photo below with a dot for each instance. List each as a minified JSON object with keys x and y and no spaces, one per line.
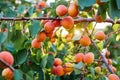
{"x":60,"y":70}
{"x":8,"y":59}
{"x":88,"y":58}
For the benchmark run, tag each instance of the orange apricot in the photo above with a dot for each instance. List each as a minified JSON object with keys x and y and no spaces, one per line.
{"x":52,"y":39}
{"x":61,"y":10}
{"x":79,"y":57}
{"x":6,"y":57}
{"x":50,"y":35}
{"x":49,"y":27}
{"x":113,"y":68}
{"x":35,"y":43}
{"x":113,"y":77}
{"x":44,"y":21}
{"x":57,"y":61}
{"x":85,"y":40}
{"x":41,"y":37}
{"x":56,"y":23}
{"x":88,"y":58}
{"x":98,"y":18}
{"x":8,"y":74}
{"x":100,"y":35}
{"x":67,"y":22}
{"x":53,"y":69}
{"x":109,"y":61}
{"x":73,"y":10}
{"x":68,"y":68}
{"x":42,"y":4}
{"x":69,"y":37}
{"x":107,"y":53}
{"x":59,"y":71}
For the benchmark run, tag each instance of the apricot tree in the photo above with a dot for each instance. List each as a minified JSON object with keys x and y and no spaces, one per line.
{"x":59,"y":40}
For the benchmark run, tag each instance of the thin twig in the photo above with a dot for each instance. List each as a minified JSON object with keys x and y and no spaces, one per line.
{"x":6,"y":64}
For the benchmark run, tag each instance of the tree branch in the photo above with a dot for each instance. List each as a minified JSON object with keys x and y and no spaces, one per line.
{"x":6,"y":64}
{"x":103,"y":57}
{"x":48,"y":18}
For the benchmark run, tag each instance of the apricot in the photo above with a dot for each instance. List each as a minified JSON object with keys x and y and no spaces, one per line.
{"x":79,"y":57}
{"x":56,"y":23}
{"x":88,"y":58}
{"x":61,"y":10}
{"x":98,"y":18}
{"x":42,"y":4}
{"x":107,"y":53}
{"x":7,"y":73}
{"x":85,"y":40}
{"x":69,"y":37}
{"x":7,"y":57}
{"x":109,"y":61}
{"x":44,"y":21}
{"x":73,"y":10}
{"x":35,"y":43}
{"x":68,"y":68}
{"x":67,"y":22}
{"x":113,"y":68}
{"x":98,"y":69}
{"x":113,"y":77}
{"x":41,"y":37}
{"x":100,"y":35}
{"x":52,"y":39}
{"x":50,"y":35}
{"x":59,"y":71}
{"x":57,"y":61}
{"x":49,"y":27}
{"x":53,"y":69}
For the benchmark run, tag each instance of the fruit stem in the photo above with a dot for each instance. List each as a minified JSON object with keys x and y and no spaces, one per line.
{"x":6,"y":64}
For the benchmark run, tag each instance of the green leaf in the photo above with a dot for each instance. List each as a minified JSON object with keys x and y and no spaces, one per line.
{"x":3,"y":36}
{"x":118,"y":4}
{"x":10,"y":47}
{"x":30,"y":75}
{"x":113,"y":11}
{"x":20,"y":57}
{"x":86,"y":3}
{"x":35,"y":27}
{"x":21,"y":9}
{"x":116,"y":26}
{"x":44,"y":61}
{"x":50,"y":61}
{"x":79,"y":65}
{"x":10,"y":13}
{"x":41,"y":75}
{"x":104,"y":0}
{"x":17,"y":75}
{"x":92,"y":72}
{"x":31,"y":10}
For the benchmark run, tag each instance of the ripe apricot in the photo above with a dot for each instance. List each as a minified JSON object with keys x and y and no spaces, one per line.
{"x":113,"y":77}
{"x":42,"y":4}
{"x":49,"y":27}
{"x":98,"y":69}
{"x":7,"y":73}
{"x":57,"y":61}
{"x":107,"y":53}
{"x":44,"y":21}
{"x":113,"y":68}
{"x":41,"y":37}
{"x":61,"y":10}
{"x":69,"y":37}
{"x":68,"y":68}
{"x":109,"y":61}
{"x":52,"y":39}
{"x":53,"y":69}
{"x":35,"y":43}
{"x":85,"y":40}
{"x":79,"y":57}
{"x":59,"y":71}
{"x":100,"y":35}
{"x":98,"y":18}
{"x":88,"y":58}
{"x":56,"y":23}
{"x":67,"y":22}
{"x":73,"y":10}
{"x":50,"y":35}
{"x":7,"y":57}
